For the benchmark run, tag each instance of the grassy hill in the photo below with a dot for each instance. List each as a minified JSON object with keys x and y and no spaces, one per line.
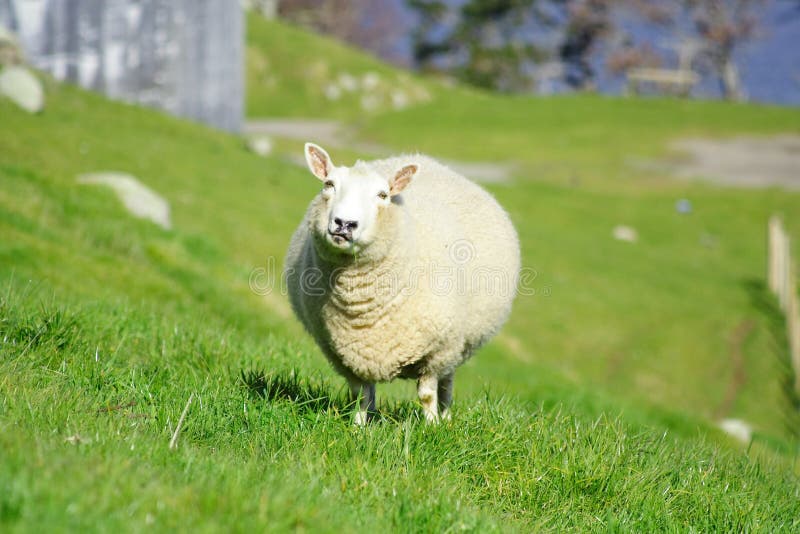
{"x":652,"y":321}
{"x":593,"y":410}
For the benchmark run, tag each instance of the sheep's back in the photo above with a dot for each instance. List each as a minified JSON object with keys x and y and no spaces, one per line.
{"x":467,"y":232}
{"x":457,"y":211}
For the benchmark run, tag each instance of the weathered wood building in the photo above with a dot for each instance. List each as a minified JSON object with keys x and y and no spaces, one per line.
{"x":183,"y":56}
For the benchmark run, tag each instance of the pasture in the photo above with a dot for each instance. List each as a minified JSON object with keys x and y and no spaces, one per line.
{"x":595,"y":409}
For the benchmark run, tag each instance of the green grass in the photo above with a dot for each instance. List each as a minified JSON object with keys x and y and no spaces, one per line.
{"x":92,"y":393}
{"x":289,"y":70}
{"x":573,"y":138}
{"x":648,"y":322}
{"x":593,"y":410}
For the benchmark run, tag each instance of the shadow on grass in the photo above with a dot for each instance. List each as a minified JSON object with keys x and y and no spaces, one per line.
{"x":307,"y":395}
{"x":315,"y":396}
{"x":766,"y":304}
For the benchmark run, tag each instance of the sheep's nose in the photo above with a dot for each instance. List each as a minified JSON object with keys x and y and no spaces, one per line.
{"x":345,"y":226}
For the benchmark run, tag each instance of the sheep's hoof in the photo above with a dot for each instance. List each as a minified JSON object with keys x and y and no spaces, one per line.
{"x":431,"y":418}
{"x":361,"y":418}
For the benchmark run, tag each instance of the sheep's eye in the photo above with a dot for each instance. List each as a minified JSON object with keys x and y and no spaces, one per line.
{"x":329,"y":184}
{"x":383,"y":195}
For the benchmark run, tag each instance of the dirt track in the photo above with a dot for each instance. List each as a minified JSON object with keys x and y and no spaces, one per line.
{"x":739,"y":162}
{"x":742,"y":161}
{"x":334,"y":134}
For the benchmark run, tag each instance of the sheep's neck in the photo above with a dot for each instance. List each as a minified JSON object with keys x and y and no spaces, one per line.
{"x":365,"y":292}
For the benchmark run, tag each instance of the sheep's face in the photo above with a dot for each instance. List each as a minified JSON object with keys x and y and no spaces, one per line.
{"x":355,"y":201}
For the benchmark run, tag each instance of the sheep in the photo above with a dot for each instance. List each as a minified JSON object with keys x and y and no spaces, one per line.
{"x":401,"y":268}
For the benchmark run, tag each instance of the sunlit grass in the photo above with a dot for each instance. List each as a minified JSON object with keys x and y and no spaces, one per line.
{"x":594,"y":408}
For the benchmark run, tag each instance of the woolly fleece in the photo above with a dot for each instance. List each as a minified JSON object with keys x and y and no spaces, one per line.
{"x":436,"y":283}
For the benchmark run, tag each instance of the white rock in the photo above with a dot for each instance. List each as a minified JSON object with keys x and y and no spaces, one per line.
{"x":625,"y":233}
{"x":400,"y":100}
{"x":332,"y":92}
{"x":138,"y":199}
{"x":23,"y":88}
{"x":348,"y":82}
{"x":261,"y":145}
{"x":370,"y":81}
{"x":737,"y":429}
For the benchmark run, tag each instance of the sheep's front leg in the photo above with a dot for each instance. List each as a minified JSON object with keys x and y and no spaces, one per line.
{"x":427,"y":392}
{"x":445,"y":391}
{"x":364,"y":393}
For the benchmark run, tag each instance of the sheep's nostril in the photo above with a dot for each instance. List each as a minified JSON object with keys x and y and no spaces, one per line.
{"x":338,"y":222}
{"x":351,"y":225}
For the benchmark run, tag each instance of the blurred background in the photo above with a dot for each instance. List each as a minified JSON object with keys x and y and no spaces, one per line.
{"x":187,"y":57}
{"x":730,"y":49}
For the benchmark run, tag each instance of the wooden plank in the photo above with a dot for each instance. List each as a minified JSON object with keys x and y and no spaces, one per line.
{"x":773,"y":235}
{"x":783,"y":271}
{"x":663,"y":76}
{"x":782,"y":281}
{"x":793,"y":325}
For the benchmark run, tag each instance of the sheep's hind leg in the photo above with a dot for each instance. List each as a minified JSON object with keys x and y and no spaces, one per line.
{"x":445,"y":391}
{"x":427,"y":392}
{"x":364,"y":393}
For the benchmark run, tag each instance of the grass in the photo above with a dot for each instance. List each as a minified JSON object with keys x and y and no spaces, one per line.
{"x":593,"y":410}
{"x":289,"y":73}
{"x":91,"y":396}
{"x":652,"y":322}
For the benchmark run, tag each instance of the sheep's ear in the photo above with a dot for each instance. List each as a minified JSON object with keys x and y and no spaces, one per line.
{"x":319,"y":162}
{"x":402,"y":179}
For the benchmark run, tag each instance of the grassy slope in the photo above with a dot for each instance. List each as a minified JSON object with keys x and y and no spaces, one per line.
{"x":108,"y":324}
{"x":288,"y":72}
{"x":651,"y":321}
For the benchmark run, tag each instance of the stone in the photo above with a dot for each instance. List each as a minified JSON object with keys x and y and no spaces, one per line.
{"x":261,"y":145}
{"x":332,"y":92}
{"x":347,"y":82}
{"x":738,"y":429}
{"x":400,"y":100}
{"x":138,"y":199}
{"x":625,"y":233}
{"x":370,"y":81}
{"x":23,"y":88}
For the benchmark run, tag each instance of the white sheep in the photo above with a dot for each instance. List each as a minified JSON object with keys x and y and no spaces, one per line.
{"x":401,"y":268}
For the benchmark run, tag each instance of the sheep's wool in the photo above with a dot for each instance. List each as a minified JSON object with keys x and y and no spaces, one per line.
{"x":436,"y":283}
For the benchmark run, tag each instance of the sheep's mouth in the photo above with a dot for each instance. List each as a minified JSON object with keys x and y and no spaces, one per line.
{"x":337,"y":245}
{"x":340,"y":239}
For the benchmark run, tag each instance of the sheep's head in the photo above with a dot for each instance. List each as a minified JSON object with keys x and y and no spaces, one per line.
{"x":355,"y":203}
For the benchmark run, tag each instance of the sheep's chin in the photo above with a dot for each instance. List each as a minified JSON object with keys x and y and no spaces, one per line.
{"x":330,"y":249}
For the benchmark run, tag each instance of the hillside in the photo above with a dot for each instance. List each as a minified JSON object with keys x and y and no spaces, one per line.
{"x":648,"y":321}
{"x":594,"y":409}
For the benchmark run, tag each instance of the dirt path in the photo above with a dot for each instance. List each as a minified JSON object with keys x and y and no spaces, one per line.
{"x":741,"y":162}
{"x":322,"y":131}
{"x":334,"y":134}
